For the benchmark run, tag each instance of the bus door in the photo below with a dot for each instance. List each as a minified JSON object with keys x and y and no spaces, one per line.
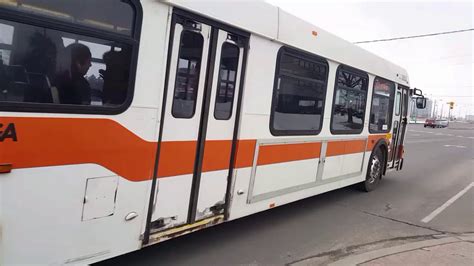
{"x":402,"y":118}
{"x":396,"y":127}
{"x":205,"y":64}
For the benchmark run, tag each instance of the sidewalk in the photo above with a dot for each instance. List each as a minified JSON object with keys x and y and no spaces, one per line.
{"x":447,"y":250}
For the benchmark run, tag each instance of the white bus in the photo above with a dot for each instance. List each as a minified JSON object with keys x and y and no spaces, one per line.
{"x":124,"y":123}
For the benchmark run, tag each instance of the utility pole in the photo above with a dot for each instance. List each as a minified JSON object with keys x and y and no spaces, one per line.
{"x":442,"y":109}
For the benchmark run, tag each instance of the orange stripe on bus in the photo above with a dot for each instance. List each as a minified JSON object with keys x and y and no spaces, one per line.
{"x":217,"y":154}
{"x":176,"y":158}
{"x":63,"y":141}
{"x":373,"y":139}
{"x":342,"y":147}
{"x":355,"y":147}
{"x":279,"y":153}
{"x":245,"y":153}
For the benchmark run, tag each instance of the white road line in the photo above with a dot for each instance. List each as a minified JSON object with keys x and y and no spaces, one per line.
{"x":460,"y":136}
{"x":456,"y":146}
{"x":432,"y":215}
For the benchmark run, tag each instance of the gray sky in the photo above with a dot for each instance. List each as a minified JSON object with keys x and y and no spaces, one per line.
{"x":442,"y":66}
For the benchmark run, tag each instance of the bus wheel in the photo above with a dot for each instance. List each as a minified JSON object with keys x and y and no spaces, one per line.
{"x":374,"y":171}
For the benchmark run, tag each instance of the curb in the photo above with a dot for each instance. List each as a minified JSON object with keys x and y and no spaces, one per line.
{"x":372,"y":255}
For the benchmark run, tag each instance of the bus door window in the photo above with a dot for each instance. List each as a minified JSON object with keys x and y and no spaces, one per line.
{"x":396,"y":125}
{"x":187,"y":75}
{"x":227,"y":81}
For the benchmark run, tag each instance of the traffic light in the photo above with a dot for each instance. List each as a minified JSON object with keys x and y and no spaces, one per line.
{"x":451,"y":105}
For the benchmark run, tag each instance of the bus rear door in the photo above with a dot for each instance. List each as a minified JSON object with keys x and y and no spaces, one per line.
{"x":204,"y":69}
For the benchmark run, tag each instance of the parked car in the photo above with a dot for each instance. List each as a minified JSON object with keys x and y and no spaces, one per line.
{"x":431,"y":122}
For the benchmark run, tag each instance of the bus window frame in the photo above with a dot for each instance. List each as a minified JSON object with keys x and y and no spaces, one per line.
{"x":390,"y":108}
{"x":72,"y":28}
{"x":333,"y":107}
{"x":303,"y":55}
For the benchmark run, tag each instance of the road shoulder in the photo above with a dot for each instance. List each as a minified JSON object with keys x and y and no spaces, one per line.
{"x":441,"y":249}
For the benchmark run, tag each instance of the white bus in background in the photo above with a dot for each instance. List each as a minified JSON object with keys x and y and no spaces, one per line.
{"x":124,"y":128}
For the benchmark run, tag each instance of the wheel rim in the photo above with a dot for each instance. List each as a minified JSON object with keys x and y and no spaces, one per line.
{"x":375,"y":169}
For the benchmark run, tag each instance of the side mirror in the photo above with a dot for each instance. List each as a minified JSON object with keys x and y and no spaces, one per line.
{"x":421,"y":102}
{"x":417,"y":92}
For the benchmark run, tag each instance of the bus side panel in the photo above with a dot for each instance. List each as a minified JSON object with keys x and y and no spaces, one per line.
{"x":45,"y":220}
{"x":341,"y":160}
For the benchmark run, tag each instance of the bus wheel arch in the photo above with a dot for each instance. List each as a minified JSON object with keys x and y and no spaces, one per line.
{"x":376,"y":166}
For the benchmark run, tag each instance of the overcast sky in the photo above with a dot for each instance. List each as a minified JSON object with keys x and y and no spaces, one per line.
{"x":442,"y":66}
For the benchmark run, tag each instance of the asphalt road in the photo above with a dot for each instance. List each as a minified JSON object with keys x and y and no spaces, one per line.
{"x":438,"y":165}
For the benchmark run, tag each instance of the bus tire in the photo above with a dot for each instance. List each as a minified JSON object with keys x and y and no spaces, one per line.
{"x":374,"y":171}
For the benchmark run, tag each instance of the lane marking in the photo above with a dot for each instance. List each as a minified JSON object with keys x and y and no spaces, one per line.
{"x":456,"y":146}
{"x":420,"y":131}
{"x":424,"y":140}
{"x":432,"y":215}
{"x":460,"y":136}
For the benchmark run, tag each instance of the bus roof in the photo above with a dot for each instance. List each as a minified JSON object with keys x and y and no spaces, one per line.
{"x":269,"y":21}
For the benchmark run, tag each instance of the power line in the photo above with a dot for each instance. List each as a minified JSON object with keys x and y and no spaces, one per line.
{"x":451,"y":96}
{"x":416,"y":36}
{"x":445,"y":86}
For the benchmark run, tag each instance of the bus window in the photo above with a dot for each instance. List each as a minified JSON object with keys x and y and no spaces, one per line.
{"x":41,"y":65}
{"x":382,"y":106}
{"x":187,"y":74}
{"x":227,"y":80}
{"x":118,"y":18}
{"x":299,"y":94}
{"x":349,"y":102}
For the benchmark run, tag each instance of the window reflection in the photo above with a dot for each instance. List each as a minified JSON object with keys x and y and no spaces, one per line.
{"x":187,"y":76}
{"x":300,"y":95}
{"x":349,"y":102}
{"x":382,"y":105}
{"x":227,"y":81}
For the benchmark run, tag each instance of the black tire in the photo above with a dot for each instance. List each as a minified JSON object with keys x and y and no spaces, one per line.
{"x":374,"y":171}
{"x":424,"y":126}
